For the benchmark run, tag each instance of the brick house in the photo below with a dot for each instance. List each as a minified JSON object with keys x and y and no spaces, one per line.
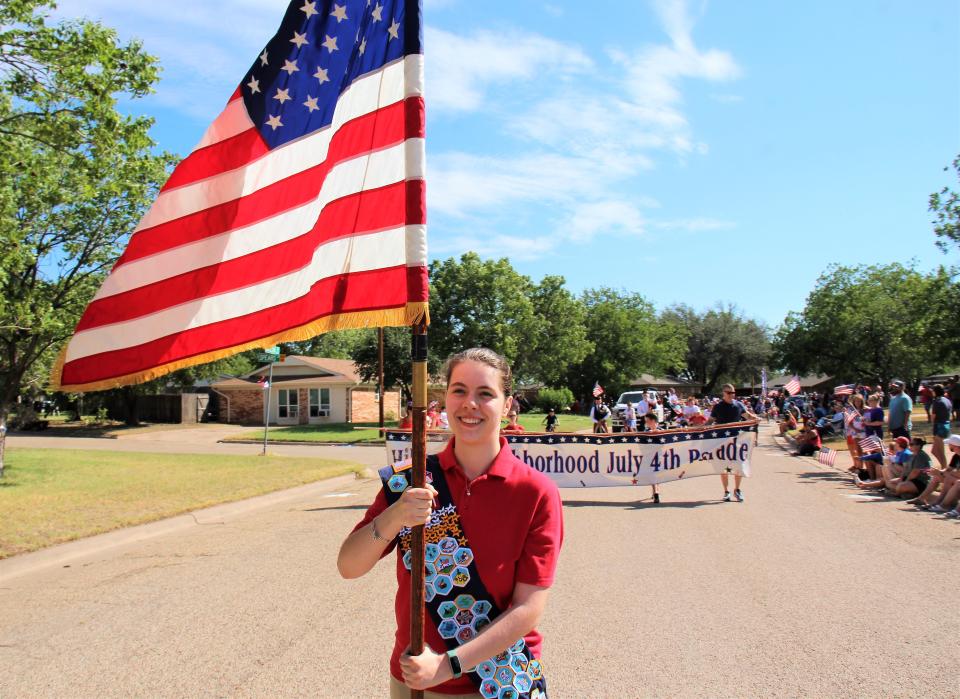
{"x":305,"y":391}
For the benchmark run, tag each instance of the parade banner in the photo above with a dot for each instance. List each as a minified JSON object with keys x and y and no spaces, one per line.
{"x":605,"y":460}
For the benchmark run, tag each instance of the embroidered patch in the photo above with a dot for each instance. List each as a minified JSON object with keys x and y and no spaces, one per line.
{"x":397,"y":483}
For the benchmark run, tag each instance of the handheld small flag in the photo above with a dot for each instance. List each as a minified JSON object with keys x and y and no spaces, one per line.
{"x":827,"y":456}
{"x":870,"y":444}
{"x":792,"y":386}
{"x":844,"y":390}
{"x":597,"y":390}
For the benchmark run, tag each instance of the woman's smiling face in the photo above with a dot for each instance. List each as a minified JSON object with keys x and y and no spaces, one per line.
{"x":475,"y":402}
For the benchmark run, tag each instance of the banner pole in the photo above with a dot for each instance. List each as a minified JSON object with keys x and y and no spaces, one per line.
{"x":380,"y":374}
{"x":419,"y":458}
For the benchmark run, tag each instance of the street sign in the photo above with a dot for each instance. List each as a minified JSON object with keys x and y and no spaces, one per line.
{"x":269,"y":355}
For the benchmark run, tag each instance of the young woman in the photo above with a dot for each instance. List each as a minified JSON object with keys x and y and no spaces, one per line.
{"x":853,"y":430}
{"x":494,"y":528}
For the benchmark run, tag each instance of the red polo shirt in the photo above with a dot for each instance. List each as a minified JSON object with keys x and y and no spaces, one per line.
{"x":512,"y":517}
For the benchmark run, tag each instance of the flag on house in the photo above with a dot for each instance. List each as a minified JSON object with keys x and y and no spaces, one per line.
{"x":792,"y":386}
{"x":302,"y":209}
{"x":597,"y":390}
{"x":827,"y":456}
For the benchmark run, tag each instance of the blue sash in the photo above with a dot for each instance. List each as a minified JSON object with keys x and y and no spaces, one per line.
{"x":456,"y":598}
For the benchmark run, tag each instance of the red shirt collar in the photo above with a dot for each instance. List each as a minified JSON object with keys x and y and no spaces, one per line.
{"x":501,"y":467}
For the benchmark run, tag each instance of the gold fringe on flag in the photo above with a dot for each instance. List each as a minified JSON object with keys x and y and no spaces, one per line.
{"x":411,"y":314}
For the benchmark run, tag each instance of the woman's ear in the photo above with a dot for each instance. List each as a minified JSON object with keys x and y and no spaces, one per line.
{"x":507,"y":404}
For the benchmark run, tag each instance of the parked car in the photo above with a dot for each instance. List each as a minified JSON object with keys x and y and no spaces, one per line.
{"x":616,"y":424}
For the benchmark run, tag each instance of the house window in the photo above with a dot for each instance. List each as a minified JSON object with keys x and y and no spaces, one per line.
{"x":319,"y":402}
{"x":289,"y":406}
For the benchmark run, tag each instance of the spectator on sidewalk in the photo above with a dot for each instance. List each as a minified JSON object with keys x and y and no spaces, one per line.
{"x":940,"y":409}
{"x":916,"y":476}
{"x":873,"y":418}
{"x":944,"y":478}
{"x":891,"y":471}
{"x":899,"y":411}
{"x":808,"y":443}
{"x":853,"y":429}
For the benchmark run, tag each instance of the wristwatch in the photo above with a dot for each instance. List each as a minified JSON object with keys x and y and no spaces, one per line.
{"x":455,"y":664}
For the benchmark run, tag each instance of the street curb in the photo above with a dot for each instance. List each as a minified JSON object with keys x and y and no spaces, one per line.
{"x":62,"y":554}
{"x":285,"y":442}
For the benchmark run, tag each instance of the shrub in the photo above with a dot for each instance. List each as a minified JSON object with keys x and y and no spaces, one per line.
{"x":557,"y":398}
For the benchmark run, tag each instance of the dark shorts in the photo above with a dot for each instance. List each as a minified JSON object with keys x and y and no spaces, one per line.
{"x":920,"y":483}
{"x":941,"y":429}
{"x":900,"y":432}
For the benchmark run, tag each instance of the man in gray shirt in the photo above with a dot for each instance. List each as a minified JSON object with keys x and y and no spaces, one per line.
{"x":899,"y":411}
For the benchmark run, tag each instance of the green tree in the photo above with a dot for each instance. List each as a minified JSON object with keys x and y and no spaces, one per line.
{"x":560,"y":338}
{"x":397,"y":359}
{"x":946,"y":205}
{"x":722,"y":345}
{"x":75,"y":177}
{"x":874,"y":323}
{"x":478,"y":303}
{"x":627,"y":338}
{"x":339,"y":344}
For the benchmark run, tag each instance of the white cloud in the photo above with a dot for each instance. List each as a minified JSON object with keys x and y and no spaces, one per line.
{"x":461,"y":68}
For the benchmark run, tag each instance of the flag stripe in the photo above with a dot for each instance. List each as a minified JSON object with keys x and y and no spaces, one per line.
{"x":379,"y":89}
{"x":228,"y":154}
{"x":337,"y":258}
{"x":377,"y":210}
{"x":378,"y":130}
{"x":233,"y":120}
{"x":374,"y":290}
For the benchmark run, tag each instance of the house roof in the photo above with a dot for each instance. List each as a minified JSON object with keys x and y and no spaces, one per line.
{"x":651,"y":380}
{"x":328,"y":372}
{"x":805,"y":381}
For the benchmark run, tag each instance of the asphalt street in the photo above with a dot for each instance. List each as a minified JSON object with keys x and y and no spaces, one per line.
{"x":807,"y":589}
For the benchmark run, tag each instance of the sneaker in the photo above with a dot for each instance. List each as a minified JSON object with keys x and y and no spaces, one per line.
{"x":726,"y":496}
{"x":656,"y":498}
{"x":738,"y":495}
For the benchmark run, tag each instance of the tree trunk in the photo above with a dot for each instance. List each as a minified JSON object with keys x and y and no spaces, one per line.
{"x":131,"y":406}
{"x":3,"y":434}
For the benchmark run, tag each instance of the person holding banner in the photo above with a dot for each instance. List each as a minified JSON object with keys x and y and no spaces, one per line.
{"x":726,"y":411}
{"x":650,"y":424}
{"x":494,"y":528}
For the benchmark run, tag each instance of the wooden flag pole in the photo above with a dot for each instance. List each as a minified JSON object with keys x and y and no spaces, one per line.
{"x":419,"y":459}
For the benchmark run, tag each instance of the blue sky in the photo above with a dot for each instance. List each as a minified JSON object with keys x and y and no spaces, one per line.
{"x":695,"y":152}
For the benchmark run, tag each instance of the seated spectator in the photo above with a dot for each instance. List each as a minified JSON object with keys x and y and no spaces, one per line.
{"x":945,"y":479}
{"x":892,"y":470}
{"x":916,"y":476}
{"x":808,"y":443}
{"x":788,"y":422}
{"x":406,"y":422}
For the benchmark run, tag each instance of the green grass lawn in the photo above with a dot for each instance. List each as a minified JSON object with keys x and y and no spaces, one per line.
{"x":533,"y":422}
{"x":49,"y":496}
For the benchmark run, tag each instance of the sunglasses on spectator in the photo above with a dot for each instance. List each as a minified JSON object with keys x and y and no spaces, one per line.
{"x":729,"y":392}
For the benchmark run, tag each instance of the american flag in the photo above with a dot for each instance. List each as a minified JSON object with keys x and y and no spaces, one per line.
{"x":597,"y":390}
{"x":872,"y":443}
{"x":844,"y":390}
{"x":792,"y":386}
{"x":301,"y":210}
{"x":827,"y":456}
